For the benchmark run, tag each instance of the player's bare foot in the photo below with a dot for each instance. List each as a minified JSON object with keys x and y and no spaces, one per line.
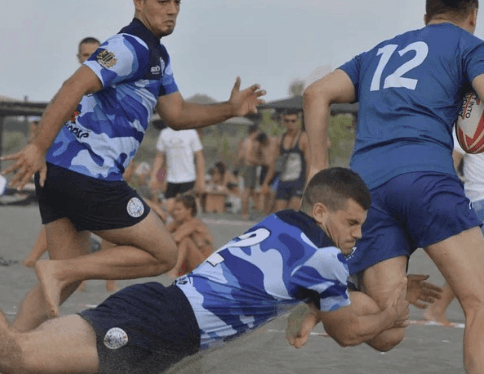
{"x":435,"y":314}
{"x":51,"y":286}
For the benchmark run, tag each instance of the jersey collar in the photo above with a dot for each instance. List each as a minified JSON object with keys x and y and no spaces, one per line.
{"x":307,"y":225}
{"x":137,"y":28}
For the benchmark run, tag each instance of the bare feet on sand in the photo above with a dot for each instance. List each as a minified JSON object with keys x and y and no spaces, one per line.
{"x":51,"y":286}
{"x":436,"y":314}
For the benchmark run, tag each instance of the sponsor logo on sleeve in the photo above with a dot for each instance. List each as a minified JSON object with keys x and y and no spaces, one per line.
{"x":106,"y":59}
{"x":155,"y":70}
{"x":115,"y":338}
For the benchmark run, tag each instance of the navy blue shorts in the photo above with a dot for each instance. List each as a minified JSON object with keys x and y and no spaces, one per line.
{"x":174,"y":189}
{"x":89,"y":203}
{"x":410,"y":211}
{"x":287,"y":190}
{"x":144,"y":328}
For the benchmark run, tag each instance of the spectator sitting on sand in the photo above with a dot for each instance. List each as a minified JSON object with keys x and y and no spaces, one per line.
{"x":192,"y":236}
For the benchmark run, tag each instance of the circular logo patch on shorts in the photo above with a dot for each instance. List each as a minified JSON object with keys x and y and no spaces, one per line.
{"x":135,"y":207}
{"x":115,"y":338}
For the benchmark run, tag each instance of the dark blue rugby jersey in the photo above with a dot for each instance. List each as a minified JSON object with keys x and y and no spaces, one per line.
{"x":410,"y":90}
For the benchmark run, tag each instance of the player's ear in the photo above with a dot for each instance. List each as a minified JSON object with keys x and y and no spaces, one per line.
{"x":473,"y":17}
{"x":319,"y":211}
{"x":426,"y":19}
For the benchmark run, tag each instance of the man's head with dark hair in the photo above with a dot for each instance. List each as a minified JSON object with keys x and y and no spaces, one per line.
{"x":189,"y":202}
{"x":338,"y":200}
{"x":220,"y":167}
{"x":88,"y":40}
{"x":333,"y":187}
{"x":291,"y":111}
{"x":449,"y":10}
{"x":86,"y":48}
{"x":291,"y":119}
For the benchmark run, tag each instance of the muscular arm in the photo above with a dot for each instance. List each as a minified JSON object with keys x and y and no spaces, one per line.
{"x":180,"y":114}
{"x":303,"y":144}
{"x":318,"y":97}
{"x":200,"y":168}
{"x":349,"y":327}
{"x":31,"y":158}
{"x":357,"y":323}
{"x":158,"y":163}
{"x":271,"y":155}
{"x":478,"y":85}
{"x":64,"y":103}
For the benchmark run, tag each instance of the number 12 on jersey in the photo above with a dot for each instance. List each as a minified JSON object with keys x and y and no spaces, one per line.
{"x":396,"y":79}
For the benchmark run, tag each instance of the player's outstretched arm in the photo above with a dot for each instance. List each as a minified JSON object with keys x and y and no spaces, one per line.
{"x":317,"y":99}
{"x":180,"y":114}
{"x":363,"y":320}
{"x":31,"y":159}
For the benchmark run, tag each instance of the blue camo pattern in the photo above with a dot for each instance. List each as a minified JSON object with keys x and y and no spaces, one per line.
{"x":281,"y":261}
{"x":105,"y":132}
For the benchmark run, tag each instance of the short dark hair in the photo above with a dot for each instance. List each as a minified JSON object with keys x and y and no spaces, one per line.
{"x":252,"y":129}
{"x":262,"y":138}
{"x":89,"y":40}
{"x":457,"y":9}
{"x":221,"y":167}
{"x":290,"y":112}
{"x":189,"y":202}
{"x":333,"y":187}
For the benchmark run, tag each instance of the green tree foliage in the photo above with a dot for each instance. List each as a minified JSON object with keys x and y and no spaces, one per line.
{"x":342,"y":136}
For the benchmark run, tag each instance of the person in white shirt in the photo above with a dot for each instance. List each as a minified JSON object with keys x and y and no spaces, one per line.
{"x":181,"y":152}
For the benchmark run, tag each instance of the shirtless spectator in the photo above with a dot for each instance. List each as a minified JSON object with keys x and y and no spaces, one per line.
{"x":247,"y":157}
{"x":223,"y":180}
{"x":192,"y":236}
{"x":268,"y":179}
{"x":294,"y":150}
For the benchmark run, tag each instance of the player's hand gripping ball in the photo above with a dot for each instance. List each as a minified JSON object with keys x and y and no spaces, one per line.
{"x":469,"y":126}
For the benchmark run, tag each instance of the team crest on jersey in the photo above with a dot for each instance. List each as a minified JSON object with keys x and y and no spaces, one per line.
{"x":115,"y":338}
{"x":135,"y":207}
{"x":106,"y":59}
{"x":162,"y":64}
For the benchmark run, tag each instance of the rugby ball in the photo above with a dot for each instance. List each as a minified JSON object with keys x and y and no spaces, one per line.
{"x":469,"y":126}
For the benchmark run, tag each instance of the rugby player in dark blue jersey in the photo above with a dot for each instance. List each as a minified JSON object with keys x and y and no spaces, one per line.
{"x":409,"y":90}
{"x":87,"y":136}
{"x":288,"y":258}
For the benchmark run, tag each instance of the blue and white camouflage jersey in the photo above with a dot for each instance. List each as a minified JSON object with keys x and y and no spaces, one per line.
{"x":108,"y":126}
{"x":279,"y":262}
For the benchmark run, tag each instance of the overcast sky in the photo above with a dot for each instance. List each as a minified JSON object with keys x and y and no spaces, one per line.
{"x":271,"y":42}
